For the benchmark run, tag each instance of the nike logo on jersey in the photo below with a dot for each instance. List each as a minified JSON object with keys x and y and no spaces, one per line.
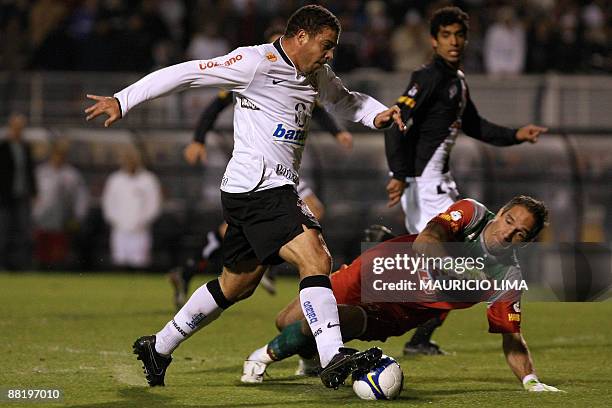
{"x":329,"y":325}
{"x":278,"y":81}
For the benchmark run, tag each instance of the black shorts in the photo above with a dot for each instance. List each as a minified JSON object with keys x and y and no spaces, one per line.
{"x":260,"y":223}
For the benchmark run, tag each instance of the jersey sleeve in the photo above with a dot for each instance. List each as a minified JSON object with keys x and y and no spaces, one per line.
{"x":419,"y":89}
{"x":421,"y":86}
{"x":458,"y":217}
{"x":504,"y":317}
{"x":210,"y":114}
{"x":481,"y":129}
{"x":326,"y":120}
{"x":232,"y":72}
{"x":353,"y":106}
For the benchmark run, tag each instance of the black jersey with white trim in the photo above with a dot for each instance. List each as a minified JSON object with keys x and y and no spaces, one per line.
{"x":435,"y":106}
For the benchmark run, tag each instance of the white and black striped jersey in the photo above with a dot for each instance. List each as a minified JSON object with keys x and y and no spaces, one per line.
{"x":272,"y":112}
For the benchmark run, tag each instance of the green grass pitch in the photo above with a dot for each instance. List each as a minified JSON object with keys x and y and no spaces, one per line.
{"x":75,"y":332}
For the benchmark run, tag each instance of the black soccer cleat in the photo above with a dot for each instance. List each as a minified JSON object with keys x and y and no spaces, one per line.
{"x":154,"y":364}
{"x":346,"y":362}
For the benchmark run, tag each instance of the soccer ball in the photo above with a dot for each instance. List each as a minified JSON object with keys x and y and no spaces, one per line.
{"x":383,"y":382}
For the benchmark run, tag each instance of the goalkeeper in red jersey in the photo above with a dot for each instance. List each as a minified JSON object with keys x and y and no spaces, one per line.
{"x":494,"y":236}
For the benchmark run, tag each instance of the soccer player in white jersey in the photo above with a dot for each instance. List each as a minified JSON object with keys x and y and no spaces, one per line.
{"x":276,"y":86}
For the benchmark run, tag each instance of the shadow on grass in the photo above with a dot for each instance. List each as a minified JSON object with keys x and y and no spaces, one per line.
{"x":142,"y":397}
{"x":135,"y":397}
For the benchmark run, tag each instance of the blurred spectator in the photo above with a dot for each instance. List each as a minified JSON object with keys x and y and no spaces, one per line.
{"x":568,"y":51}
{"x":17,"y":190}
{"x":504,"y":45}
{"x":410,"y":43}
{"x":207,"y":44}
{"x":13,"y":31}
{"x":473,"y":59}
{"x":141,"y":35}
{"x":131,"y":202}
{"x":61,"y":206}
{"x":45,"y":17}
{"x":376,"y":47}
{"x":541,"y":46}
{"x":51,"y":45}
{"x":347,"y":55}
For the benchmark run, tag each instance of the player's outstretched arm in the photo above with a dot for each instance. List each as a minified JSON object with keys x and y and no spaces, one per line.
{"x":106,"y":105}
{"x":520,"y":362}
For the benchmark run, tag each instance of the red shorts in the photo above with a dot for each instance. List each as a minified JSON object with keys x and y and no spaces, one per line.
{"x":383,"y":319}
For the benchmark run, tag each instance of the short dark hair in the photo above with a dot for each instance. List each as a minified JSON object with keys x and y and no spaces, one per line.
{"x":312,"y":19}
{"x":535,"y":207}
{"x":446,"y":16}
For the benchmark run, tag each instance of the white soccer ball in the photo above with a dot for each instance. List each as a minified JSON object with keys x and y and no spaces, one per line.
{"x":383,"y":382}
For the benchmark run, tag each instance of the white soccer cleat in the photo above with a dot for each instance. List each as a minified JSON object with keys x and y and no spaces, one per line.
{"x":253,"y":372}
{"x":308,"y":367}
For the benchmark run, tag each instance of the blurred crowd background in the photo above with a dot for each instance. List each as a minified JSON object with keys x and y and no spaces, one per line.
{"x":525,"y":36}
{"x":88,"y":198}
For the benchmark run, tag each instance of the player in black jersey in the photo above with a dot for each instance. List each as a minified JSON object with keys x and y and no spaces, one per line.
{"x":436,"y":106}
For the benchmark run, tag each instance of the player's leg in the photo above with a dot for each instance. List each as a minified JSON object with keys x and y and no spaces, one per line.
{"x":268,"y":282}
{"x":297,"y":338}
{"x":203,"y":307}
{"x":411,"y":207}
{"x":308,"y":252}
{"x":290,"y":314}
{"x":421,"y":342}
{"x":428,"y":200}
{"x":238,"y":280}
{"x":208,"y":258}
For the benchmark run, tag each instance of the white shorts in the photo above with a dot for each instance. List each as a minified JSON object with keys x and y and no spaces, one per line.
{"x":131,"y":248}
{"x":423,"y":199}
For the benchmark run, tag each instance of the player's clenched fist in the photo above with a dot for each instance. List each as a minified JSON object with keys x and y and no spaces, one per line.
{"x":104,"y":105}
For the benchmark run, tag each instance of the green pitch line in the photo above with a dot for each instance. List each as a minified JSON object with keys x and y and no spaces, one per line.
{"x":74,"y":333}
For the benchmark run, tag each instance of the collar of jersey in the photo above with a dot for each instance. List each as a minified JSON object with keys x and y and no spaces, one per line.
{"x":438,"y":60}
{"x":279,"y":47}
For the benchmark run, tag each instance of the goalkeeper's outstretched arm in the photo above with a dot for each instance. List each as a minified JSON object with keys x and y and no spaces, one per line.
{"x":520,"y":362}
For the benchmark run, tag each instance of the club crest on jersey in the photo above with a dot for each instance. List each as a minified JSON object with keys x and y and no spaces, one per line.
{"x":413,"y":91}
{"x":294,"y":136}
{"x":271,"y":57}
{"x":456,"y":215}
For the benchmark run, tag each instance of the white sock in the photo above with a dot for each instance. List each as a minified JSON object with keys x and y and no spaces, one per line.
{"x":200,"y":310}
{"x":211,"y":246}
{"x":261,"y":355}
{"x":321,"y":312}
